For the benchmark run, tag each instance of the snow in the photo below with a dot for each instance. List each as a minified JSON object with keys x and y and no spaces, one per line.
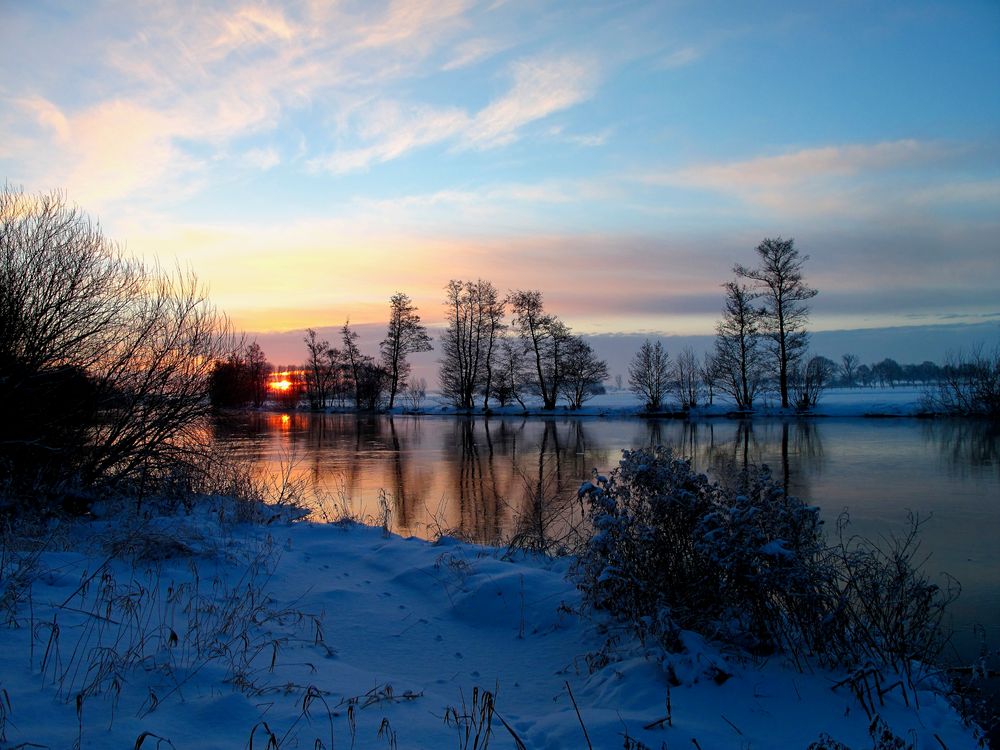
{"x":901,"y":401}
{"x":370,"y":636}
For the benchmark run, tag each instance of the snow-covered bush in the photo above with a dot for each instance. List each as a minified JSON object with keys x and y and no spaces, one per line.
{"x":766,"y":552}
{"x":642,"y":555}
{"x":747,"y":563}
{"x":670,"y":548}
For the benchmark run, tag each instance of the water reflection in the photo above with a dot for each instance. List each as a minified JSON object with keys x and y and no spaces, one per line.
{"x":481,"y":477}
{"x":969,"y":447}
{"x":478,"y":477}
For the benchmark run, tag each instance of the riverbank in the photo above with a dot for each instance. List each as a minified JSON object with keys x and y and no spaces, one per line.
{"x":904,"y":401}
{"x":194,"y":631}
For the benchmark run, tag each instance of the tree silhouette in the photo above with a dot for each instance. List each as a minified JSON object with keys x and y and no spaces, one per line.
{"x":404,"y":336}
{"x":649,"y":374}
{"x":469,"y":344}
{"x":738,"y":352}
{"x":583,"y":372}
{"x":779,"y":283}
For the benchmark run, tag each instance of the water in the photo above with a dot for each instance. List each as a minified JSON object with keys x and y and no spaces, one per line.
{"x":487,"y":479}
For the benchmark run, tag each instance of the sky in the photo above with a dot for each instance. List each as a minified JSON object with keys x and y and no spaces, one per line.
{"x":309,"y":159}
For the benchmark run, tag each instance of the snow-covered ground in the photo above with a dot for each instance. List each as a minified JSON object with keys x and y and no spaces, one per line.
{"x":902,"y":401}
{"x":209,"y":635}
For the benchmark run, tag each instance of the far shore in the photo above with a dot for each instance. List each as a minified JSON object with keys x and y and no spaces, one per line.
{"x":871,"y":403}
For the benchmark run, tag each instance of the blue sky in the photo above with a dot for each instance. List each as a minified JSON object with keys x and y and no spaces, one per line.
{"x":309,"y":159}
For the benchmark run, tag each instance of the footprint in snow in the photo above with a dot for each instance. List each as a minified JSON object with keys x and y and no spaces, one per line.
{"x":458,"y":655}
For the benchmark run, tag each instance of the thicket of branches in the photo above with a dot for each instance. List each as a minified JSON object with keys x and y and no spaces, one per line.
{"x":104,"y":361}
{"x":969,"y":385}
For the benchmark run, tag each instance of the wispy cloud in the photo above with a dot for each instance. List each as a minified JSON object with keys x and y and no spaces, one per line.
{"x":187,"y":83}
{"x":262,"y":158}
{"x":47,"y":115}
{"x":796,"y":167}
{"x":185,"y":79}
{"x":590,"y":140}
{"x":473,"y":51}
{"x":392,"y":129}
{"x":253,"y":27}
{"x":542,"y":86}
{"x":829,"y":180}
{"x":411,"y":20}
{"x":105,"y":151}
{"x":681,"y":57}
{"x":389,"y":129}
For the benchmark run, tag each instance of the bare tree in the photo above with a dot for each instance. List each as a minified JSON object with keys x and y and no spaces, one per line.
{"x":404,"y":336}
{"x":709,"y":375}
{"x":229,"y":384}
{"x":371,"y":385}
{"x":258,"y":369}
{"x":583,"y":372}
{"x":544,"y":338}
{"x":414,"y":392}
{"x":318,"y":374}
{"x":104,"y":362}
{"x":493,"y":311}
{"x":969,"y":384}
{"x":469,"y":344}
{"x":649,"y":374}
{"x":738,"y":351}
{"x":512,"y":375}
{"x":686,"y":379}
{"x":809,"y":381}
{"x":849,"y":368}
{"x":353,"y":360}
{"x":779,"y":283}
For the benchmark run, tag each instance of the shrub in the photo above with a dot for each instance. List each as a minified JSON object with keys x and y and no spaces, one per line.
{"x":969,"y":385}
{"x":671,"y":546}
{"x":750,"y":564}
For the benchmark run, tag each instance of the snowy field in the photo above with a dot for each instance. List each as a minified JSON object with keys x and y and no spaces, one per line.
{"x":337,"y":636}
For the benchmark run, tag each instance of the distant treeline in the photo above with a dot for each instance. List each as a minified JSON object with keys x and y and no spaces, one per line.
{"x":500,"y":350}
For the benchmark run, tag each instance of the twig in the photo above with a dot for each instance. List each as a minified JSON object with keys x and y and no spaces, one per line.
{"x":732,"y":725}
{"x":579,"y":718}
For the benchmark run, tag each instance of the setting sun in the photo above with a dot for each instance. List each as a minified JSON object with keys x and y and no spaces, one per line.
{"x":283,"y":382}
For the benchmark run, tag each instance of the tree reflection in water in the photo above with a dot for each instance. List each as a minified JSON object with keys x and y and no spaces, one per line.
{"x":489,"y":479}
{"x":969,"y":447}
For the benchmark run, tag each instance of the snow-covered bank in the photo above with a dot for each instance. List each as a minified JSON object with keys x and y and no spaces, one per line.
{"x":365,"y":637}
{"x":903,"y":401}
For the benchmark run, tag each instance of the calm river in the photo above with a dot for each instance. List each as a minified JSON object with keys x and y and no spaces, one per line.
{"x":489,"y":479}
